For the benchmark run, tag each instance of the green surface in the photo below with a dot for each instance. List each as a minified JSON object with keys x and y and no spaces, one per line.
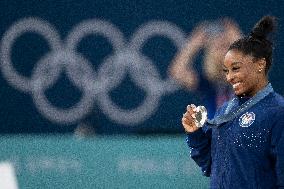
{"x":56,"y":162}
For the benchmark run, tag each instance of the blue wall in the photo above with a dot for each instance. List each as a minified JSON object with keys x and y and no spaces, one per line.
{"x":21,"y":107}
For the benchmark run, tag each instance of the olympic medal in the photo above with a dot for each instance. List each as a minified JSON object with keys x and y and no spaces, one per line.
{"x":200,"y":116}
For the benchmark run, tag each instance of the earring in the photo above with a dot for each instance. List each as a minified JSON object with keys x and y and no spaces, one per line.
{"x":259,"y":70}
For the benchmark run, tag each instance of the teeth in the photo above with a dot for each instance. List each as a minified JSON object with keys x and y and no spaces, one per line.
{"x":236,"y":85}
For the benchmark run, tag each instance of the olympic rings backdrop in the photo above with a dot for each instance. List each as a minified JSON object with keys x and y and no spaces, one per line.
{"x":106,"y":64}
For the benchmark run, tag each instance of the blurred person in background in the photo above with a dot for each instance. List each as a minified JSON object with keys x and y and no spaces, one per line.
{"x":243,"y":146}
{"x":84,"y":130}
{"x":89,"y":126}
{"x":215,"y":38}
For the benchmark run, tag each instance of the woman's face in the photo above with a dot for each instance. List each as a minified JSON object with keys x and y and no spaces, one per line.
{"x":246,"y":76}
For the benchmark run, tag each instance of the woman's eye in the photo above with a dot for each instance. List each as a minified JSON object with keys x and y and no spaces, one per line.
{"x":226,"y":72}
{"x":235,"y":68}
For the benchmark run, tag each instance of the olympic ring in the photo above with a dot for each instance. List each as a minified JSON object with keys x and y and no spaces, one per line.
{"x":136,"y":64}
{"x":95,"y":26}
{"x":68,"y":61}
{"x":23,"y":26}
{"x":159,"y":28}
{"x":126,"y":58}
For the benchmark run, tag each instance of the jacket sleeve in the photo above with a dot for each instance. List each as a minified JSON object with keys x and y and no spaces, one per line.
{"x":199,"y":143}
{"x":277,"y":147}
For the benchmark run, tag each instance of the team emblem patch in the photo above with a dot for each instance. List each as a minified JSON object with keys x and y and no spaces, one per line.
{"x":247,"y":119}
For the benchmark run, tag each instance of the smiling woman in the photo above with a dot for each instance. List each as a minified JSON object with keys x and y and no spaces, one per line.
{"x":245,"y":75}
{"x":242,"y":147}
{"x":248,"y":59}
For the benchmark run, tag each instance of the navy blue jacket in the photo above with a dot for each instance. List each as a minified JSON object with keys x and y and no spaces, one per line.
{"x":246,"y":152}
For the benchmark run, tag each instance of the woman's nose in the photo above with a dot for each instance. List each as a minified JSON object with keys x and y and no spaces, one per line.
{"x":229,"y":76}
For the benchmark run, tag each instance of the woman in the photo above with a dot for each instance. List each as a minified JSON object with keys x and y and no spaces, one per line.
{"x":243,"y":146}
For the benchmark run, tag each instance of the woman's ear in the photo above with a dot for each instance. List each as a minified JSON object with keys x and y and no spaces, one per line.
{"x":261,"y":64}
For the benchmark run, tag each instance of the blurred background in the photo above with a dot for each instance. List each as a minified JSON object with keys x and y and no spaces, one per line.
{"x":92,"y":92}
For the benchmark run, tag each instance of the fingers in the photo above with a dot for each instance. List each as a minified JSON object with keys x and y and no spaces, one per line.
{"x":191,"y":110}
{"x":188,"y":127}
{"x":186,"y":121}
{"x":190,"y":106}
{"x":188,"y":118}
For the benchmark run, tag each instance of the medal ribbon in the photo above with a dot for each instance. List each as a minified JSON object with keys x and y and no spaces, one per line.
{"x":230,"y":115}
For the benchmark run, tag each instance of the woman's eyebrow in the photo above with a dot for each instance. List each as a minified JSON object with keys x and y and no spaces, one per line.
{"x":224,"y":67}
{"x":235,"y":63}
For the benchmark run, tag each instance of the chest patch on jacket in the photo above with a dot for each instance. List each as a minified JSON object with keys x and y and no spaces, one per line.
{"x":247,"y":119}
